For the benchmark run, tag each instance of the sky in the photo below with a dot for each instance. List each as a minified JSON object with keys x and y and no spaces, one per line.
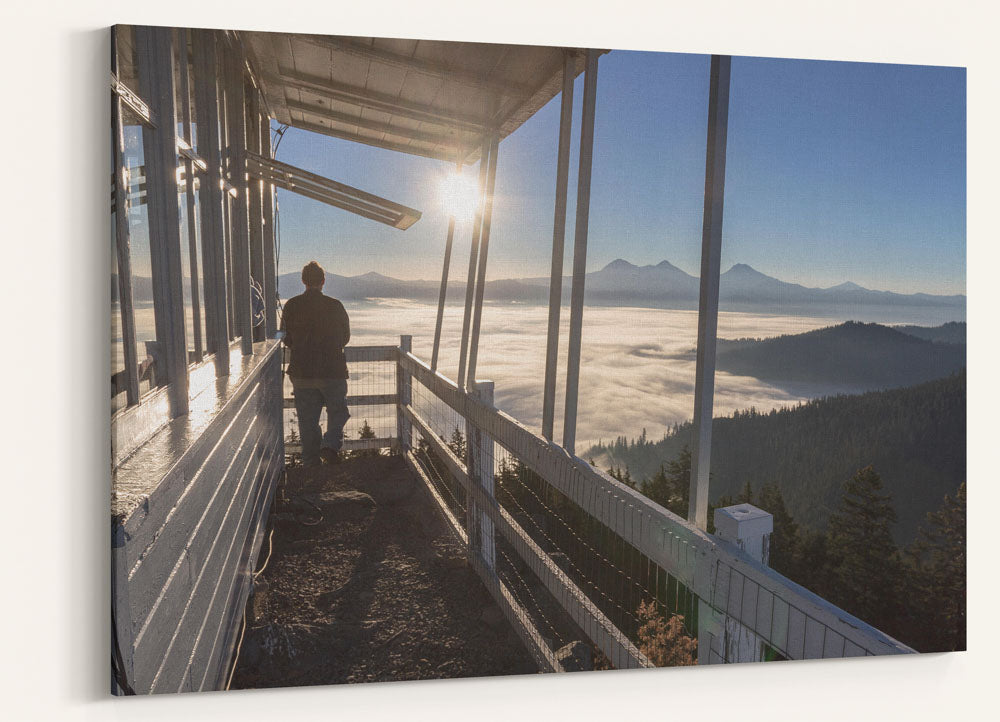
{"x":836,"y":171}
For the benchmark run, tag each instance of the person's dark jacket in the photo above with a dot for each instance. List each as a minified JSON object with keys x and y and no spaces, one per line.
{"x":316,"y":330}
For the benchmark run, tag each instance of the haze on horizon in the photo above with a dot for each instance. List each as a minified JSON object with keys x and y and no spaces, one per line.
{"x":836,"y":171}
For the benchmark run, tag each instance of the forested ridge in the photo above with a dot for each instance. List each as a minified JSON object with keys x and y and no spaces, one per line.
{"x":915,"y":437}
{"x":862,"y":355}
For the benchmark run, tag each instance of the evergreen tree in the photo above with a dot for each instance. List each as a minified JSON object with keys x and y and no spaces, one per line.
{"x":866,"y":563}
{"x":939,"y":563}
{"x":670,"y":485}
{"x":784,"y":555}
{"x":365,"y":432}
{"x":457,"y":444}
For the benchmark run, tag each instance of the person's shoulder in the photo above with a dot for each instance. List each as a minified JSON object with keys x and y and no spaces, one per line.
{"x":334,"y":302}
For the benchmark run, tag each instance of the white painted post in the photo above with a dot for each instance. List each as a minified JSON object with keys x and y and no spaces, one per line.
{"x":156,"y":84}
{"x":484,"y":249}
{"x":267,"y":205}
{"x":708,"y":301}
{"x":212,"y":199}
{"x":558,"y":247}
{"x":438,"y":324}
{"x":403,"y":396}
{"x":470,"y":286}
{"x":236,"y":117}
{"x":750,"y":529}
{"x":192,"y":219}
{"x":747,"y":527}
{"x":483,"y":475}
{"x":123,"y":249}
{"x":580,"y":251}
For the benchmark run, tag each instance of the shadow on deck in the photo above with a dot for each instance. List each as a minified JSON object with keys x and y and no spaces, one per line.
{"x":365,"y":583}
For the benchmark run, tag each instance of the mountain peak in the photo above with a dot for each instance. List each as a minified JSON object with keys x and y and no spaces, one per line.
{"x":847,"y":286}
{"x":619,"y":264}
{"x":742,"y":270}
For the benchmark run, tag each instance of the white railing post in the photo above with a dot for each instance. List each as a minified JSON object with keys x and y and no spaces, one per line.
{"x":403,"y":396}
{"x":479,"y":462}
{"x":483,"y":475}
{"x":750,"y":529}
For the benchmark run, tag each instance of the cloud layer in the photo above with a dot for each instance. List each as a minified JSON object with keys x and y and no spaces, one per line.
{"x":637,"y":365}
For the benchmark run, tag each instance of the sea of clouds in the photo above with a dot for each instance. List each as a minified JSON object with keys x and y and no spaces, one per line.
{"x":637,"y":366}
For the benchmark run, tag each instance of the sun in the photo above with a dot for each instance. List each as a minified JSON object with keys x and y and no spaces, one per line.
{"x":459,"y":196}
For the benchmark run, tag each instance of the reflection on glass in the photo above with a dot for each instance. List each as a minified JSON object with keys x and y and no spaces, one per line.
{"x":138,"y":224}
{"x":117,"y":342}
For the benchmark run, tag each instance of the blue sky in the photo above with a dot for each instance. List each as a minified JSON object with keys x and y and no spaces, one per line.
{"x":835,"y":172}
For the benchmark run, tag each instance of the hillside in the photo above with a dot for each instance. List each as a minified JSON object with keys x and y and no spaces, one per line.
{"x":915,"y":437}
{"x":866,"y":356}
{"x":952,"y":332}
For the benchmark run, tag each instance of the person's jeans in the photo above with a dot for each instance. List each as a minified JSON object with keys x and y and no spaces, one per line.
{"x":310,"y":399}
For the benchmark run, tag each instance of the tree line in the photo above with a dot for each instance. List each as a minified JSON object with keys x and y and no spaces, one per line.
{"x":914,"y":436}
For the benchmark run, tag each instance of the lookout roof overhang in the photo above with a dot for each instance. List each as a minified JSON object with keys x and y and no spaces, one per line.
{"x":426,"y":97}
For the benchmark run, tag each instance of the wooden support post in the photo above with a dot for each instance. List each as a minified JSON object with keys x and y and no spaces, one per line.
{"x":156,"y":83}
{"x":580,"y":251}
{"x":270,"y":260}
{"x":404,"y":432}
{"x":708,"y":300}
{"x":123,"y":253}
{"x":484,"y":249}
{"x":255,"y":196}
{"x":236,"y":115}
{"x":212,"y":199}
{"x":470,"y":285}
{"x":189,"y":176}
{"x":444,"y":287}
{"x":558,"y":248}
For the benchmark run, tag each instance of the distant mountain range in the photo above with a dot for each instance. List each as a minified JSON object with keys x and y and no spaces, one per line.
{"x":862,"y":356}
{"x":663,"y":285}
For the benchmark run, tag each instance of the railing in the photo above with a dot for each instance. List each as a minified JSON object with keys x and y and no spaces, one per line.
{"x":372,"y":400}
{"x":570,"y":553}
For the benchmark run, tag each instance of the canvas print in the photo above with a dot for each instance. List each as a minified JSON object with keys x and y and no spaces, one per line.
{"x":437,"y":359}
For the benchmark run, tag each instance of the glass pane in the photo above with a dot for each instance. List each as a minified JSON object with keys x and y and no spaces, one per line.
{"x":118,"y":398}
{"x":138,"y":222}
{"x":185,"y":240}
{"x":201,"y":267}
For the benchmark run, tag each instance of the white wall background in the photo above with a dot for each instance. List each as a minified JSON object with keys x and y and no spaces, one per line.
{"x":53,"y":515}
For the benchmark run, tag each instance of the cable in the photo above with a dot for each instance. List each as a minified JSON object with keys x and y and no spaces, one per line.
{"x":279,"y":134}
{"x":270,"y":548}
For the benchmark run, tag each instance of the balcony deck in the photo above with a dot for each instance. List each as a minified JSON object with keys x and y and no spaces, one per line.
{"x":366,"y":583}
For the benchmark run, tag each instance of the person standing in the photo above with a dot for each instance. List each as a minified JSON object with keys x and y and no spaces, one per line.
{"x":316,"y":330}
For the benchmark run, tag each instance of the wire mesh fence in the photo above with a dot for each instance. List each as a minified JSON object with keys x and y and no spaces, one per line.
{"x":371,"y":398}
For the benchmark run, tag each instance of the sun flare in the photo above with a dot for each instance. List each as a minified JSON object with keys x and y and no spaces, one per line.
{"x":459,"y":196}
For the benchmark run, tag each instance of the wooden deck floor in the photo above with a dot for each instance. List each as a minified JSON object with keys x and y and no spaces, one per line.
{"x":365,"y":583}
